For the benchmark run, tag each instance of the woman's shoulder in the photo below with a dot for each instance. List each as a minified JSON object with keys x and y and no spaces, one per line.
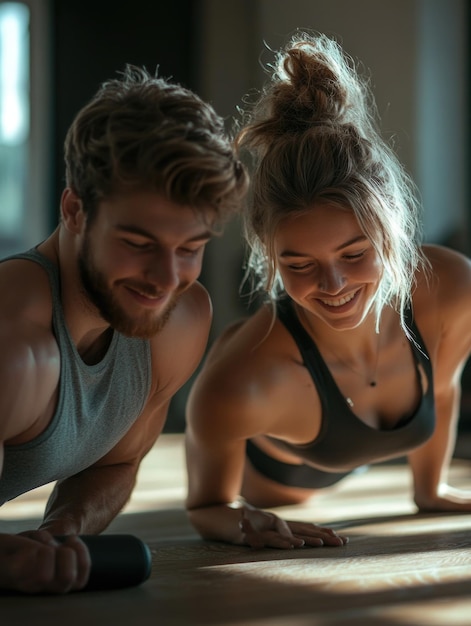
{"x":442,"y":297}
{"x":442,"y":308}
{"x":444,"y":259}
{"x":448,"y":273}
{"x":247,"y":371}
{"x":252,"y":341}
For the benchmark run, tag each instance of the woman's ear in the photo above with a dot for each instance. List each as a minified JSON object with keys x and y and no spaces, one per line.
{"x":72,"y":213}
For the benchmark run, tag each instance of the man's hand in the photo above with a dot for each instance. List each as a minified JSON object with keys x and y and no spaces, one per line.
{"x":261,"y":529}
{"x":35,"y":562}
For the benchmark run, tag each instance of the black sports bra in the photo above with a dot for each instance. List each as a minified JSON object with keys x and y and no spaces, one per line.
{"x":344,"y":441}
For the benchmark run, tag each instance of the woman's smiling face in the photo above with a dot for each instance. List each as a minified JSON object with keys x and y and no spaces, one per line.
{"x":327,"y":264}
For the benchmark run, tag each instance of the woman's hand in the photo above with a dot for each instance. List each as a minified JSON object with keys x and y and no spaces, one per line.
{"x":447,"y":500}
{"x":261,"y":529}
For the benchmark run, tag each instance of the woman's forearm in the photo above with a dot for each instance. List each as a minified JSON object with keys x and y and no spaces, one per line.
{"x":219,"y":522}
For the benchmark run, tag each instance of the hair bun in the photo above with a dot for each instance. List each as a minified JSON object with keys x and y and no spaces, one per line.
{"x":313,"y":83}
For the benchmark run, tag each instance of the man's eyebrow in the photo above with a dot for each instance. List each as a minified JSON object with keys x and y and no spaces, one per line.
{"x":142,"y":232}
{"x":294,"y":253}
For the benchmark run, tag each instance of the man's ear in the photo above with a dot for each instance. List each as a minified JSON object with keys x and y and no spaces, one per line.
{"x":72,"y":213}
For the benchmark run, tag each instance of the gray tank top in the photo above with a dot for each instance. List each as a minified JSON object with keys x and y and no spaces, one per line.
{"x":96,"y":406}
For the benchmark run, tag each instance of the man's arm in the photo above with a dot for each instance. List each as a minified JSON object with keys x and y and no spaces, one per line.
{"x":87,"y":502}
{"x":43,"y":564}
{"x":33,"y":561}
{"x":29,"y":370}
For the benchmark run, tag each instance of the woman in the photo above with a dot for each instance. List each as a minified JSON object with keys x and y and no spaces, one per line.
{"x":358,"y":356}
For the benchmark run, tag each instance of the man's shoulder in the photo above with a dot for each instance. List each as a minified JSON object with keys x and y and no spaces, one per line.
{"x":197,"y":299}
{"x":193,"y":311}
{"x":25,"y":292}
{"x":178,"y":348}
{"x":29,"y":359}
{"x":188,"y":324}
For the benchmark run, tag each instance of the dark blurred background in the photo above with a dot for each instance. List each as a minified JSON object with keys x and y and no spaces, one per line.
{"x":416,"y":52}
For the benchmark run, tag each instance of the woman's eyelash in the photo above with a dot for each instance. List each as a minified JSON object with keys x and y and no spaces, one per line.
{"x":355,"y":255}
{"x":300,"y":267}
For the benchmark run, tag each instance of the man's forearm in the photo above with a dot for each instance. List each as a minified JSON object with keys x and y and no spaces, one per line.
{"x":87,"y":502}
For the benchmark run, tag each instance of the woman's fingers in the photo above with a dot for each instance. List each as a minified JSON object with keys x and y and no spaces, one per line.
{"x":266,"y":530}
{"x":276,"y":537}
{"x":312,"y":533}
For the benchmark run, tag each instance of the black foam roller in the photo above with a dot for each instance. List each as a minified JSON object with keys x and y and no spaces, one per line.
{"x":117,"y":561}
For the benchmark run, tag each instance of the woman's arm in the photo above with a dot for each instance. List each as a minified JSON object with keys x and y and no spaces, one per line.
{"x":218,"y":425}
{"x":430,"y":463}
{"x":219,"y":515}
{"x":443,"y":311}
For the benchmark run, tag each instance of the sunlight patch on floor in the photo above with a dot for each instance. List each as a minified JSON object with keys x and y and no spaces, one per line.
{"x":352,"y":575}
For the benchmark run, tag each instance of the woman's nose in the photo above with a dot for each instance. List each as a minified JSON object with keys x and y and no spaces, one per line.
{"x":331,"y":280}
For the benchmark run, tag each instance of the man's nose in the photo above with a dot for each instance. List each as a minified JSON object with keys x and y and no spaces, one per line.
{"x":162,"y":271}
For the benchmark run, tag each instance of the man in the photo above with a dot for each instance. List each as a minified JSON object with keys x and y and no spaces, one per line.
{"x":104,"y":321}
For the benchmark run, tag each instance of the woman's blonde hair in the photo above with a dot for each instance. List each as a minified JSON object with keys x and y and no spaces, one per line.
{"x":312,"y":137}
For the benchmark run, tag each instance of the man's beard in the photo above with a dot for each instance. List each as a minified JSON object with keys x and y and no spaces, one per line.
{"x":96,"y":290}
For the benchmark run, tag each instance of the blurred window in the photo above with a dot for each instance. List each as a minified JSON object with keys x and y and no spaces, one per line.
{"x":14,"y":117}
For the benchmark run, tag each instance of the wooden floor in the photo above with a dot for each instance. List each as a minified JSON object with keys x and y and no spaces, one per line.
{"x":399,"y":569}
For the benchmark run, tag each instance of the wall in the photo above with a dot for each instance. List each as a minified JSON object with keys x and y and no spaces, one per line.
{"x":94,"y":39}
